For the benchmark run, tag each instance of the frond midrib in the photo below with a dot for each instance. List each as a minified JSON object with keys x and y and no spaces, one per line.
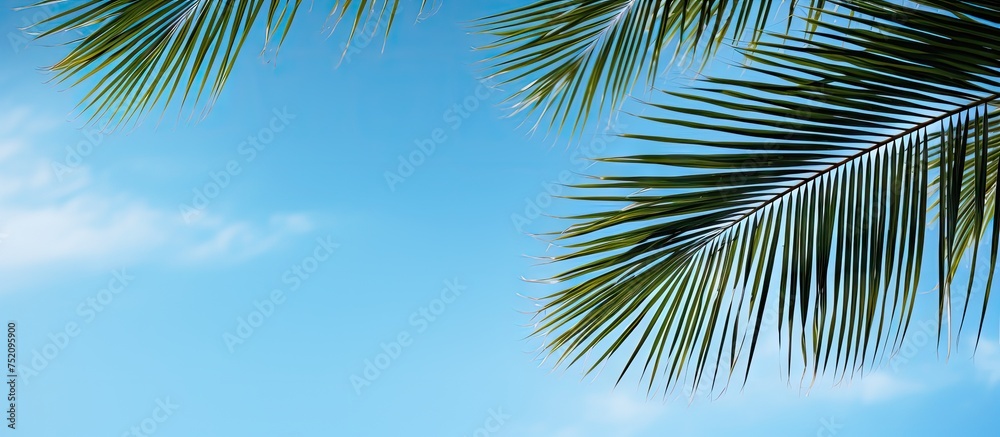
{"x":861,"y":153}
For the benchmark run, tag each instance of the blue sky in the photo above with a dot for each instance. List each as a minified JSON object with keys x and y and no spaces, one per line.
{"x":366,"y":215}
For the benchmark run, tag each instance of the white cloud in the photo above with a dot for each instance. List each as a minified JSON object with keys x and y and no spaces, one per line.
{"x":881,"y":386}
{"x":988,"y":361}
{"x":622,"y":410}
{"x":45,"y":221}
{"x":608,"y":414}
{"x":82,"y":228}
{"x":613,"y":415}
{"x":876,"y":387}
{"x":239,"y":241}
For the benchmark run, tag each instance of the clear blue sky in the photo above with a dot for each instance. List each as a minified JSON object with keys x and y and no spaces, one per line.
{"x":134,"y":305}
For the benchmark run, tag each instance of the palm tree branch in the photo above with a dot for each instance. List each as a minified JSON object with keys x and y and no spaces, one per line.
{"x":892,"y":139}
{"x":144,"y":54}
{"x":578,"y":56}
{"x":843,"y":143}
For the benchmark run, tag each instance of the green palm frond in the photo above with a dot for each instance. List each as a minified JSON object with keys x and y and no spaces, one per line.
{"x":580,"y":55}
{"x":142,"y":53}
{"x":811,"y":192}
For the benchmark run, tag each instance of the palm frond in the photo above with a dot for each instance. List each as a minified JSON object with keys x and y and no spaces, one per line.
{"x":810,"y":194}
{"x":141,"y":54}
{"x":577,"y":56}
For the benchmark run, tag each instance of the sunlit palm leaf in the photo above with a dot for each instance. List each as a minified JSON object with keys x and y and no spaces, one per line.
{"x":142,"y":53}
{"x":580,"y":55}
{"x":811,"y":195}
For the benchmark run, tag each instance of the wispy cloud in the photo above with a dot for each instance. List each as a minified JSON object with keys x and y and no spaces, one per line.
{"x":607,"y":415}
{"x":882,"y":386}
{"x":988,"y":361}
{"x":240,"y":240}
{"x":623,"y":410}
{"x":45,"y":221}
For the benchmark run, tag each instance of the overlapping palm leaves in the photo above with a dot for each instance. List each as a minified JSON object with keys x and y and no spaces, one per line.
{"x":142,"y":53}
{"x":811,"y":193}
{"x":579,"y":55}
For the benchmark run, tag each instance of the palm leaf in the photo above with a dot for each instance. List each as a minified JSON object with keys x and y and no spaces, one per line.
{"x":810,"y":195}
{"x":141,"y":54}
{"x":577,"y":56}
